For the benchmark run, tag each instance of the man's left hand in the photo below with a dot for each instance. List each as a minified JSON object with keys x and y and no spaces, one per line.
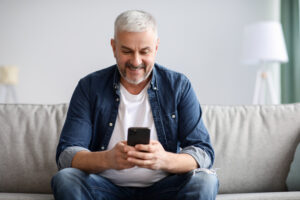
{"x":151,"y":156}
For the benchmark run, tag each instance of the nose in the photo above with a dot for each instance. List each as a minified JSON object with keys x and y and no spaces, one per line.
{"x":136,"y":60}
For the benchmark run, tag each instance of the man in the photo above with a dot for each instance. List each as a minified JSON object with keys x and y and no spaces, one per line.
{"x":94,"y":159}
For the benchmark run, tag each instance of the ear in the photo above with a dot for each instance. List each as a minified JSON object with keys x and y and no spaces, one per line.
{"x":156,"y":46}
{"x":113,"y":46}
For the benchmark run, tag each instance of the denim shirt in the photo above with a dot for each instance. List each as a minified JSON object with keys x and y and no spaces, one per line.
{"x":176,"y":113}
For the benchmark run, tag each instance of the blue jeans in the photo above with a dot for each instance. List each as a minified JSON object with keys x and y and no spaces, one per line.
{"x":71,"y":183}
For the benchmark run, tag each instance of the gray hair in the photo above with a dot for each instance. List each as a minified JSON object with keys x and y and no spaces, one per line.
{"x":135,"y":21}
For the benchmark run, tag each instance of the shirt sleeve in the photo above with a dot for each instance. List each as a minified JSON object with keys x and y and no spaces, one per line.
{"x":199,"y":155}
{"x":77,"y":130}
{"x":193,"y":136}
{"x":66,"y":157}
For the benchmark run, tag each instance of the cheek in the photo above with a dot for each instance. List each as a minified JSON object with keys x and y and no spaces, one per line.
{"x":121,"y":59}
{"x":149,"y":61}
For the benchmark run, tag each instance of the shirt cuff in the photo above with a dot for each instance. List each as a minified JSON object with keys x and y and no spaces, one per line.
{"x":199,"y":155}
{"x":66,"y":157}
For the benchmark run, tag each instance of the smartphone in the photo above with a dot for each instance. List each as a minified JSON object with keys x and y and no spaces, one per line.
{"x":138,"y":135}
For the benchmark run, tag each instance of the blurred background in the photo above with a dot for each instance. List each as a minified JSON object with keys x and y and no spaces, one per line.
{"x":55,"y":43}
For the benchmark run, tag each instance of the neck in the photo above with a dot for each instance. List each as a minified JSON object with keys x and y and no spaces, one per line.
{"x":135,"y":89}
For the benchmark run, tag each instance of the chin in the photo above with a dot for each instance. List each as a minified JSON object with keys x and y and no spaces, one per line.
{"x":135,"y":82}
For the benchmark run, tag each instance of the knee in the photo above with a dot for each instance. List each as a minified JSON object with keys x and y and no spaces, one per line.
{"x":65,"y":176}
{"x":204,"y":182}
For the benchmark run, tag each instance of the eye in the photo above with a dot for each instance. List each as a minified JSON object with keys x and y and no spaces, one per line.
{"x":145,"y":52}
{"x":126,"y":52}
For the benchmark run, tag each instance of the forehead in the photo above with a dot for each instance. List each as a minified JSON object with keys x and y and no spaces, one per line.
{"x":146,"y":38}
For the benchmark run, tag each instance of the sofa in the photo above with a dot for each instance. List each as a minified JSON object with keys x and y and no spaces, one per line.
{"x":254,"y":147}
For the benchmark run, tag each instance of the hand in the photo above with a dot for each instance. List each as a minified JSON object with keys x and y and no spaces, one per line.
{"x":117,"y":156}
{"x":151,"y":156}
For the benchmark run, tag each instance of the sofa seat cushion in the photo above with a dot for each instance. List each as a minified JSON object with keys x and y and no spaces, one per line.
{"x":25,"y":196}
{"x":261,"y":196}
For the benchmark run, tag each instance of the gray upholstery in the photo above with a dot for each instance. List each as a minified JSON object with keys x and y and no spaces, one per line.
{"x":246,"y":196}
{"x":254,"y":148}
{"x":24,"y":196}
{"x":293,"y":179}
{"x":28,"y":139}
{"x":261,"y":196}
{"x":254,"y":145}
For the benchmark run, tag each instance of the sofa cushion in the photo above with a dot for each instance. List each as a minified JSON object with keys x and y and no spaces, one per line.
{"x":293,"y":179}
{"x":28,"y":140}
{"x":23,"y":196}
{"x":261,"y":196}
{"x":254,"y":145}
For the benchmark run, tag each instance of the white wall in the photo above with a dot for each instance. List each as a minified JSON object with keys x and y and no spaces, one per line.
{"x":57,"y":42}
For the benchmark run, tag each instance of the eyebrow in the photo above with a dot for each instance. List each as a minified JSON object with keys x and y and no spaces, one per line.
{"x":127,"y":48}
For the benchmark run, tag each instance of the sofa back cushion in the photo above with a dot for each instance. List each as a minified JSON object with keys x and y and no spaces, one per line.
{"x":28,"y":140}
{"x":254,"y":145}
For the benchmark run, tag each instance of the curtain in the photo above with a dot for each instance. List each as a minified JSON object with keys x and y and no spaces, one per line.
{"x":290,"y":72}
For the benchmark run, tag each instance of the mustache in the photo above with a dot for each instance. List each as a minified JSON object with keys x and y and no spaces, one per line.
{"x":135,"y":67}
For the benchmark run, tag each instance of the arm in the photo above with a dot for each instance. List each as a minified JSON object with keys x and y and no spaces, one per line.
{"x":73,"y":148}
{"x":91,"y":162}
{"x":94,"y":162}
{"x":180,"y":163}
{"x":77,"y":130}
{"x":193,"y":135}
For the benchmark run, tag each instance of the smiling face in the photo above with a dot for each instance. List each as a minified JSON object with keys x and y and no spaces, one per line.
{"x":135,"y":54}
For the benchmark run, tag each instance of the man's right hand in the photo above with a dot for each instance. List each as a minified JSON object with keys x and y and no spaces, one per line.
{"x":117,"y":156}
{"x":95,"y":162}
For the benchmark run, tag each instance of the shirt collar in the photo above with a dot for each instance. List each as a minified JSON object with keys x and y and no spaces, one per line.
{"x":153,"y":81}
{"x":116,"y":79}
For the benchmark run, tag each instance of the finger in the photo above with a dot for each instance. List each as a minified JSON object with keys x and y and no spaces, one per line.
{"x":125,"y":165}
{"x":122,"y":160}
{"x":126,"y":145}
{"x":121,"y":146}
{"x":128,"y":148}
{"x":154,"y":142}
{"x":140,"y":163}
{"x":145,"y":147}
{"x":140,"y":155}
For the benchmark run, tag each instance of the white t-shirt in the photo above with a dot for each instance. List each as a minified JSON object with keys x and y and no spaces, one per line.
{"x":134,"y":111}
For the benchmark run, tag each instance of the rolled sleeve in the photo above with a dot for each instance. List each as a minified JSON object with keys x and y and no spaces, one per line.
{"x":77,"y":129}
{"x":193,"y":136}
{"x":199,"y":155}
{"x":66,"y":157}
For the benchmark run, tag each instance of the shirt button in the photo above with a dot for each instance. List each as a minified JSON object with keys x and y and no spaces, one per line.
{"x":155,"y":88}
{"x":173,"y":116}
{"x":102,"y":148}
{"x":117,"y":99}
{"x":110,"y":124}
